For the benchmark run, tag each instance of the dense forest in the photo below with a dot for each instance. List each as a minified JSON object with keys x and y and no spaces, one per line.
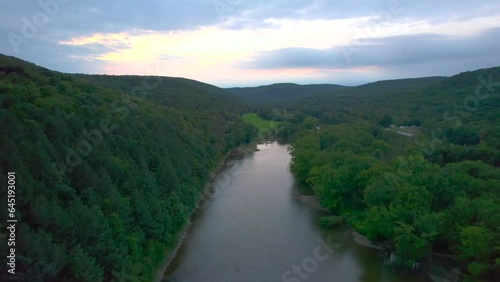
{"x":108,"y":168}
{"x":413,"y":164}
{"x":283,"y":92}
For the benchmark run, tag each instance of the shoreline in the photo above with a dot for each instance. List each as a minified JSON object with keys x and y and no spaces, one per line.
{"x":207,"y":190}
{"x":448,"y":272}
{"x":313,"y":201}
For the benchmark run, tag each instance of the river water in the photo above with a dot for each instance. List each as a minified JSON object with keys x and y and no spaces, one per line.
{"x":254,"y":228}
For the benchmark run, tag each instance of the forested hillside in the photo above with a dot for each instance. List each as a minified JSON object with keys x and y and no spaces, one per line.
{"x":417,"y":169}
{"x":283,"y":92}
{"x":288,"y":93}
{"x":172,"y":92}
{"x":332,"y":104}
{"x":108,"y":169}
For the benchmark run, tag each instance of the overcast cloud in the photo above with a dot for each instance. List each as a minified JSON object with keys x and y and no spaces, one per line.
{"x":241,"y":42}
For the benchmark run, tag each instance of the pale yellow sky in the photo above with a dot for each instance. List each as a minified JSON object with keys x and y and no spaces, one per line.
{"x":243,"y":42}
{"x":215,"y":53}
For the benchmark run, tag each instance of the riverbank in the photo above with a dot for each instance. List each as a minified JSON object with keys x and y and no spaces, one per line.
{"x":445,"y":269}
{"x":208,"y":190}
{"x":254,"y":229}
{"x":314,"y":202}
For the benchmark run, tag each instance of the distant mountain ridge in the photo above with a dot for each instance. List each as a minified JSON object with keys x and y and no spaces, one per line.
{"x":283,"y":92}
{"x":280,"y":92}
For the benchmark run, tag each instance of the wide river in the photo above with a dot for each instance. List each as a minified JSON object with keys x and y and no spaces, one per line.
{"x":254,"y":228}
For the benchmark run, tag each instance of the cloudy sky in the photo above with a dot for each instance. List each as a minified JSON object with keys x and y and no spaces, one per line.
{"x":244,"y":43}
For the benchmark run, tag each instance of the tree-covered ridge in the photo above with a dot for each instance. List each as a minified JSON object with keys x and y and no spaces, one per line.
{"x":171,"y":91}
{"x":106,"y":178}
{"x":436,"y":190}
{"x":287,"y":92}
{"x":283,"y":92}
{"x":461,"y":110}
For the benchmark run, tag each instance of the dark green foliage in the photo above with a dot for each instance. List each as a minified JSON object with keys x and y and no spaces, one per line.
{"x":109,"y":168}
{"x":386,"y":121}
{"x":415,"y":205}
{"x":106,"y":178}
{"x":436,"y":190}
{"x":281,"y":92}
{"x":330,"y":221}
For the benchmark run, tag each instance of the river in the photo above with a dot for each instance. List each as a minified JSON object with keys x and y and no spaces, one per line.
{"x":253,"y":228}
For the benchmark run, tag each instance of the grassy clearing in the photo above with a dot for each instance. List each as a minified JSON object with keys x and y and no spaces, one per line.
{"x":260,"y":123}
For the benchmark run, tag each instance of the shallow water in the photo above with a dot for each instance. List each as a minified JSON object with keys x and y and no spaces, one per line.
{"x":254,"y":229}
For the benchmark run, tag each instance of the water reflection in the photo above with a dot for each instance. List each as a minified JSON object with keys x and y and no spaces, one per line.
{"x":255,"y":228}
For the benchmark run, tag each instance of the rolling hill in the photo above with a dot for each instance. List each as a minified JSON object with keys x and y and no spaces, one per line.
{"x":107,"y":168}
{"x":282,"y":92}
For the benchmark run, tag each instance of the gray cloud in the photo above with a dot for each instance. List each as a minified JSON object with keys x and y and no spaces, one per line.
{"x":79,"y":18}
{"x":433,"y":11}
{"x":412,"y":55}
{"x":92,"y":16}
{"x":83,"y":18}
